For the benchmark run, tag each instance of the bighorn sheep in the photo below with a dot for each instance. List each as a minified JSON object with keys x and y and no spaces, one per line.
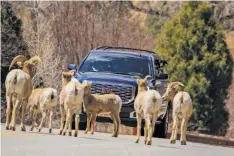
{"x":182,"y":109}
{"x":41,"y":100}
{"x":147,"y":105}
{"x":94,"y":104}
{"x":18,"y":88}
{"x":71,"y":99}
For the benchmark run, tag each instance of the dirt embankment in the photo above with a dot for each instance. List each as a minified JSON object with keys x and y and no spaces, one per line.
{"x":229,"y":37}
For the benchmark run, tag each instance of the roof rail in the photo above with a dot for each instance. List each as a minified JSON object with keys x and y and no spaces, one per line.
{"x":123,"y":48}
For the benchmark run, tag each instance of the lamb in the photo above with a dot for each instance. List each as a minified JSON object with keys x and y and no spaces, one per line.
{"x":94,"y":104}
{"x":18,"y":88}
{"x":147,"y":105}
{"x":70,"y":99}
{"x":41,"y":100}
{"x":182,"y":109}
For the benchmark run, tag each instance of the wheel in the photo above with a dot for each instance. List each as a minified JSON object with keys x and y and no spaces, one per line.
{"x":161,"y":130}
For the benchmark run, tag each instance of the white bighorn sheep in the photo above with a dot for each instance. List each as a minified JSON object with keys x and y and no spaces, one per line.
{"x":41,"y":100}
{"x":182,"y":109}
{"x":71,"y":99}
{"x":107,"y":103}
{"x":147,"y":105}
{"x":18,"y":88}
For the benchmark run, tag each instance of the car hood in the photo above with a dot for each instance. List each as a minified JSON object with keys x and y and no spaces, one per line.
{"x":107,"y":78}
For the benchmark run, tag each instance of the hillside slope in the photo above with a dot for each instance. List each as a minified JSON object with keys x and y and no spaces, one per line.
{"x":230,"y":101}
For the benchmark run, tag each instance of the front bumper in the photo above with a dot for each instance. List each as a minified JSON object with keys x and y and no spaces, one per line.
{"x":127,"y":116}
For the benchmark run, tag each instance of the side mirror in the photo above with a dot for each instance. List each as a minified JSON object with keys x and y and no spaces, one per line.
{"x":163,"y":76}
{"x":72,"y":67}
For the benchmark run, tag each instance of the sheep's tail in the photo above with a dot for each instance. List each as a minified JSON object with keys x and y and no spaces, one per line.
{"x":154,"y":99}
{"x":15,"y":78}
{"x":119,"y":101}
{"x":52,"y":95}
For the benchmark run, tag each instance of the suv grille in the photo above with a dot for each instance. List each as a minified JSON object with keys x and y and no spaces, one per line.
{"x":126,"y":93}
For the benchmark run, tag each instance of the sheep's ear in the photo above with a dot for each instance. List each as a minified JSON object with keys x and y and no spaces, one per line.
{"x":138,"y":81}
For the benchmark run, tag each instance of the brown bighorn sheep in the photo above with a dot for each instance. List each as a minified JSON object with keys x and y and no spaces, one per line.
{"x":71,"y":99}
{"x":182,"y":109}
{"x":41,"y":100}
{"x":18,"y":88}
{"x":147,"y":105}
{"x":94,"y":104}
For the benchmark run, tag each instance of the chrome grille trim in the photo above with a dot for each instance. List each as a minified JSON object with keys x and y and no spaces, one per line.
{"x":126,"y":92}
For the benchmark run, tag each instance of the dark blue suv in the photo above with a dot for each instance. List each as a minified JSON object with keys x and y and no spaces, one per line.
{"x":112,"y":70}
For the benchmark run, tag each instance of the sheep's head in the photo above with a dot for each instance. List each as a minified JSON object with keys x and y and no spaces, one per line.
{"x":24,"y":63}
{"x":87,"y":87}
{"x":67,"y":76}
{"x":142,"y":83}
{"x":172,"y":89}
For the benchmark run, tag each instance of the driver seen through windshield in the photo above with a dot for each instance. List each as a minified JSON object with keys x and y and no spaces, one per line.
{"x":114,"y":63}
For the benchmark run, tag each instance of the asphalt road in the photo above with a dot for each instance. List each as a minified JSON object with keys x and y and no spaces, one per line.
{"x":19,"y":143}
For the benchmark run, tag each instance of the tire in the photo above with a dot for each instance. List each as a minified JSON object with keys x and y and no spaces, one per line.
{"x":161,"y":130}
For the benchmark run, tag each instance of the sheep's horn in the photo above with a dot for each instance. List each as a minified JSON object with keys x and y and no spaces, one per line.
{"x":35,"y":60}
{"x":177,"y":83}
{"x":19,"y":58}
{"x":180,"y":84}
{"x":137,"y":77}
{"x":148,"y":76}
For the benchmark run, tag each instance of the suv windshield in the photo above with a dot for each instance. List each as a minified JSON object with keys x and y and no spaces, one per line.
{"x":117,"y":64}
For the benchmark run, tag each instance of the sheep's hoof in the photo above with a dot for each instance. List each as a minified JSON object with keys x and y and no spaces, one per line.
{"x":69,"y":133}
{"x":114,"y":135}
{"x":75,"y":134}
{"x":85,"y":132}
{"x":31,"y":129}
{"x":64,"y":133}
{"x":50,"y":130}
{"x":39,"y":130}
{"x":23,"y":129}
{"x":173,"y":141}
{"x":7,"y":128}
{"x":145,"y":141}
{"x":92,"y":133}
{"x":183,"y":142}
{"x":148,"y":142}
{"x":60,"y":132}
{"x":12,"y":128}
{"x":137,"y":141}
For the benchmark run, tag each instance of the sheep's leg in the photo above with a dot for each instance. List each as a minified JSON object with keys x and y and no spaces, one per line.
{"x":149,"y":121}
{"x":13,"y":119}
{"x":145,"y":133}
{"x":24,"y":104}
{"x":174,"y":130}
{"x":93,"y":119}
{"x":42,"y":120}
{"x":70,"y":123}
{"x":88,"y":123}
{"x":77,"y":120}
{"x":50,"y":122}
{"x":183,"y":131}
{"x":8,"y":111}
{"x":31,"y":112}
{"x":62,"y":118}
{"x":117,"y":124}
{"x":67,"y":121}
{"x":139,"y":120}
{"x":114,"y":122}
